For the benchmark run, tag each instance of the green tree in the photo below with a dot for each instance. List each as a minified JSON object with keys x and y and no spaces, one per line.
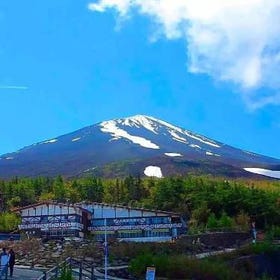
{"x":212,"y":222}
{"x":8,"y":222}
{"x":242,"y":220}
{"x":225,"y":221}
{"x":59,"y":189}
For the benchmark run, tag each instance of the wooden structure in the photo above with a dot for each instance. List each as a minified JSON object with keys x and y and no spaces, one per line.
{"x":54,"y":220}
{"x":58,"y":220}
{"x":133,"y":224}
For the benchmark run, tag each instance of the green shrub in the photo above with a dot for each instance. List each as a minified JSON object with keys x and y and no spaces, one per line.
{"x":66,"y":274}
{"x":182,"y":267}
{"x":262,"y":247}
{"x":8,"y":221}
{"x":225,"y":221}
{"x":212,"y":222}
{"x":138,"y":265}
{"x":273,"y":233}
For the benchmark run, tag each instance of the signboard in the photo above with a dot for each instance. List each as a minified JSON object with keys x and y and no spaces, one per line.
{"x":67,"y":225}
{"x":126,"y":221}
{"x":150,"y":273}
{"x":143,"y":226}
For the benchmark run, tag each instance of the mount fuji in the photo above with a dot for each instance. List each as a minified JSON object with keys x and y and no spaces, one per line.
{"x":138,"y":145}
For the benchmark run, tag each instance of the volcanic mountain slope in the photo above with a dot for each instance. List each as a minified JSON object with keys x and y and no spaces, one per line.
{"x":136,"y":145}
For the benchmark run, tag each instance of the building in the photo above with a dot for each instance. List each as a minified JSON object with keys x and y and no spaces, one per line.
{"x":120,"y":222}
{"x":54,"y":220}
{"x":133,"y":224}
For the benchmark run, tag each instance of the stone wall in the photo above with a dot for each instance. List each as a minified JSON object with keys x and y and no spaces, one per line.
{"x":219,"y":240}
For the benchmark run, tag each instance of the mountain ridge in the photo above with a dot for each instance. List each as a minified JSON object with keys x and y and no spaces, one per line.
{"x":138,"y":138}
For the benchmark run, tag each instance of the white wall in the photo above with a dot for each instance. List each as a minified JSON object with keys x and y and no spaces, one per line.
{"x":50,"y":209}
{"x":107,"y":211}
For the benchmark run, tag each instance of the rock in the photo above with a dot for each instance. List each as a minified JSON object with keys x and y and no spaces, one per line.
{"x":89,"y":259}
{"x":55,"y":255}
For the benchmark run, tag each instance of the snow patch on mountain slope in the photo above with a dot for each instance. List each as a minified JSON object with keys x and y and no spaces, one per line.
{"x":111,"y":127}
{"x":114,"y":139}
{"x":140,"y":120}
{"x":212,"y":154}
{"x":195,"y":146}
{"x":177,"y":137}
{"x":173,"y":154}
{"x":90,"y":169}
{"x":178,"y":140}
{"x":76,"y":139}
{"x":50,"y":141}
{"x":154,"y":125}
{"x":185,"y":132}
{"x":203,"y":140}
{"x":265,"y":172}
{"x":173,"y":127}
{"x":153,"y":171}
{"x":250,"y":153}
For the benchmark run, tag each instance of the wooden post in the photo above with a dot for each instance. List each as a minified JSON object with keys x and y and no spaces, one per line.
{"x":80,"y":270}
{"x":92,"y":271}
{"x":56,"y":272}
{"x":70,"y":263}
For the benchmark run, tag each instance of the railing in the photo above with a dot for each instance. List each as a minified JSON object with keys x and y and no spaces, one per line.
{"x":9,"y":236}
{"x":81,"y":269}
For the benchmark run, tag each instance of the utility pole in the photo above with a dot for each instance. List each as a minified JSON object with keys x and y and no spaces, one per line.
{"x":105,"y":251}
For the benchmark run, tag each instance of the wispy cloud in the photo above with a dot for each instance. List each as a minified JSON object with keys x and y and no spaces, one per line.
{"x":256,"y":102}
{"x":14,"y":87}
{"x":233,"y":40}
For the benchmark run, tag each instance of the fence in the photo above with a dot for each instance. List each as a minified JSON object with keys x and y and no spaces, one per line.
{"x":81,"y":269}
{"x":9,"y":236}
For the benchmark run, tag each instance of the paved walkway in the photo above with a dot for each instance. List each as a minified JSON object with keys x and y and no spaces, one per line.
{"x":24,"y":274}
{"x":29,"y":274}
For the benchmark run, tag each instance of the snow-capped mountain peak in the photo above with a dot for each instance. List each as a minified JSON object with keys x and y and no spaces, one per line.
{"x":119,"y":128}
{"x":134,"y":145}
{"x":113,"y":128}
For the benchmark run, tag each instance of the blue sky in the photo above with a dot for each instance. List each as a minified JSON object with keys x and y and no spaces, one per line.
{"x":67,"y":64}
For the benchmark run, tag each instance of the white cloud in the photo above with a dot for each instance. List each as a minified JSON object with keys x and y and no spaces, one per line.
{"x":256,"y":102}
{"x":14,"y":87}
{"x":230,"y":40}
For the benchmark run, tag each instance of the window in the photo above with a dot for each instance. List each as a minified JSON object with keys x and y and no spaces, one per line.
{"x":157,"y":232}
{"x":130,"y":233}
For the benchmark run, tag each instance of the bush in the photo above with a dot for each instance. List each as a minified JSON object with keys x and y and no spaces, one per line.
{"x":138,"y":265}
{"x":8,"y":222}
{"x":273,"y":233}
{"x":212,"y":222}
{"x":225,"y":221}
{"x":182,"y":267}
{"x":66,"y":274}
{"x":242,"y":221}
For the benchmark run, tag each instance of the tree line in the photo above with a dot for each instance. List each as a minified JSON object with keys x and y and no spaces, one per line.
{"x":206,"y":202}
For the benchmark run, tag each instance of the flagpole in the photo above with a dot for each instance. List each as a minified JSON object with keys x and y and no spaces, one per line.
{"x":105,"y":251}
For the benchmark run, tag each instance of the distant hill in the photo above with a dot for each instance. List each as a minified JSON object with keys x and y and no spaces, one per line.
{"x":138,"y":145}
